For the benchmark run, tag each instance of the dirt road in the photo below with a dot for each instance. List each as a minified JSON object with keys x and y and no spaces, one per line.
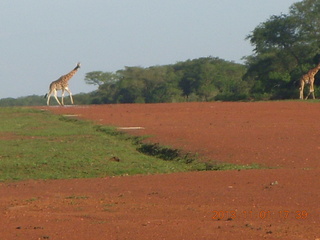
{"x":278,"y":203}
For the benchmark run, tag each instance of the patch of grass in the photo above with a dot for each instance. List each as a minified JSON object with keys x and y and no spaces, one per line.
{"x":39,"y":145}
{"x":176,"y":155}
{"x":218,"y":166}
{"x":32,"y":199}
{"x":36,"y":144}
{"x":77,"y":197}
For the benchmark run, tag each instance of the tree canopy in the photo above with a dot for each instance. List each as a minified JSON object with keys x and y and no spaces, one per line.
{"x":285,"y":47}
{"x":203,"y":79}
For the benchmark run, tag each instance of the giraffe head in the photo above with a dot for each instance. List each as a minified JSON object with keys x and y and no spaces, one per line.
{"x":317,"y":68}
{"x":78,"y":66}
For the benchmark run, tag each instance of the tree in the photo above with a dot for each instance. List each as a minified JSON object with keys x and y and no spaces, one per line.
{"x":279,"y":34}
{"x":307,"y":14}
{"x":284,"y":48}
{"x":99,"y":78}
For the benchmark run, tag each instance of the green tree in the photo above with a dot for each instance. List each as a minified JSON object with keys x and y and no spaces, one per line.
{"x":284,"y":48}
{"x":99,"y":78}
{"x":307,"y":14}
{"x":130,"y":87}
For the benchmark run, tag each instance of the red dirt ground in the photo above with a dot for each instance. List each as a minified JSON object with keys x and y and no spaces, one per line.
{"x":278,"y":203}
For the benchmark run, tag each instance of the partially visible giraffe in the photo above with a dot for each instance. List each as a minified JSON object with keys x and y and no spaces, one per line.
{"x":61,"y":84}
{"x":308,"y":78}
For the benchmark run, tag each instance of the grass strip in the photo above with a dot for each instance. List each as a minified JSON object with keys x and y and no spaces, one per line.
{"x":36,"y":144}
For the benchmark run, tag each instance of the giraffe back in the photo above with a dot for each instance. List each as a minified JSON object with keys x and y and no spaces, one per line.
{"x":62,"y":82}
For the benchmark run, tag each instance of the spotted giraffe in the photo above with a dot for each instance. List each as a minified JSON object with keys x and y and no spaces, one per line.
{"x":308,"y":78}
{"x":61,"y":84}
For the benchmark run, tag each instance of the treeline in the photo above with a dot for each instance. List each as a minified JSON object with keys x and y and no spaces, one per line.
{"x":35,"y":100}
{"x":203,"y":79}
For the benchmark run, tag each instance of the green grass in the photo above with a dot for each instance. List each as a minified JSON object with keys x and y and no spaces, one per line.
{"x":36,"y":144}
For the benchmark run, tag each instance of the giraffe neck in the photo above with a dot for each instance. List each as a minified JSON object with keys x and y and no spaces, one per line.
{"x":315,"y":70}
{"x":68,"y":76}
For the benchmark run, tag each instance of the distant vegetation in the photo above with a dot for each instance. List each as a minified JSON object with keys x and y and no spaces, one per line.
{"x":203,"y":79}
{"x":285,"y":47}
{"x":35,"y":100}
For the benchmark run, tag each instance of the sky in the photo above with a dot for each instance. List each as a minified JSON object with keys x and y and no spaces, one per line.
{"x":40,"y":40}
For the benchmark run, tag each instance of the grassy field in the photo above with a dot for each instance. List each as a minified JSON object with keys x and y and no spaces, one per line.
{"x":36,"y":144}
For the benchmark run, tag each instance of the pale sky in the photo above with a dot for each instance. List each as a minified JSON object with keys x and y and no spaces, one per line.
{"x":44,"y":39}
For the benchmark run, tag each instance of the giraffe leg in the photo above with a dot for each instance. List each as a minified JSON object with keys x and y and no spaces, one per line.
{"x":311,"y":91}
{"x":55,"y":96}
{"x":307,"y":96}
{"x":301,"y":89}
{"x":70,"y":94}
{"x":48,"y":97}
{"x":62,"y":96}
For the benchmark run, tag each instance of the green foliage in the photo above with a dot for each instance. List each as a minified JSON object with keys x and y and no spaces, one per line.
{"x":23,"y":101}
{"x":196,"y":80}
{"x":99,"y":78}
{"x":286,"y":47}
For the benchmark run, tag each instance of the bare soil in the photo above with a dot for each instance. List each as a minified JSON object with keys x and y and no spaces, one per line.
{"x":280,"y":202}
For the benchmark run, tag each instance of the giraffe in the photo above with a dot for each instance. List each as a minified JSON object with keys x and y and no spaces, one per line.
{"x":61,"y":84}
{"x":308,"y":78}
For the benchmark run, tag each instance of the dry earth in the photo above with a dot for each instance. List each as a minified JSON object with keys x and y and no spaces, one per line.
{"x":277,"y":203}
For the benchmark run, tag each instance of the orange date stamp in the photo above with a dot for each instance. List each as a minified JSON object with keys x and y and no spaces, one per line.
{"x":256,"y":215}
